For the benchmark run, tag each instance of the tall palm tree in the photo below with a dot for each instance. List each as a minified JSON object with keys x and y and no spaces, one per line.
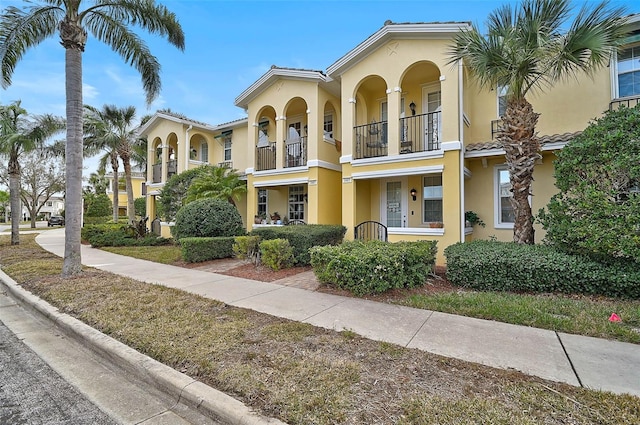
{"x":19,"y":135}
{"x":109,"y":21}
{"x":112,"y":130}
{"x":528,"y":49}
{"x":216,"y":182}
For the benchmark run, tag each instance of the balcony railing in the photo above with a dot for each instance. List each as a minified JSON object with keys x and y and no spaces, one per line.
{"x":371,"y":140}
{"x":629,"y":102}
{"x":266,"y":157}
{"x":157,"y":173}
{"x":295,"y":152}
{"x":420,"y":133}
{"x":172,"y":168}
{"x":495,"y":126}
{"x":226,"y":164}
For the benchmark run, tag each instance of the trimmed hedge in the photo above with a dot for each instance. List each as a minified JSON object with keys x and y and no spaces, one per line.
{"x":302,"y":238}
{"x":375,"y":266}
{"x":117,"y":234}
{"x":196,"y":250}
{"x":507,"y":266}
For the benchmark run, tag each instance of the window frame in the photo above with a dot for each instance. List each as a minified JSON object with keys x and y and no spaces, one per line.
{"x":635,"y":48}
{"x":425,"y":198}
{"x":497,"y":199}
{"x":263,"y":201}
{"x":296,"y":191}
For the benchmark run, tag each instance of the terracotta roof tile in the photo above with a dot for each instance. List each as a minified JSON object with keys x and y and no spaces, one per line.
{"x":544,"y":140}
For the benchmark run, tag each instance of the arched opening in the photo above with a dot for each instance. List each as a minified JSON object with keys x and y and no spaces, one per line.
{"x":172,"y":155}
{"x":157,"y":160}
{"x":420,"y":109}
{"x":372,"y":114}
{"x":296,"y":136}
{"x":265,"y":137}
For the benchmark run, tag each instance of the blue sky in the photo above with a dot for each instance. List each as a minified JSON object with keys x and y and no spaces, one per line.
{"x":229,"y":45}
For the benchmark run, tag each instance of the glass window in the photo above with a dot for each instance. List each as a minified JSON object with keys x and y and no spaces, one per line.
{"x":502,"y":99}
{"x":432,"y":198}
{"x":262,"y":202}
{"x":296,"y":203}
{"x":328,"y":125}
{"x":504,"y":212}
{"x":227,"y":148}
{"x":629,"y":72}
{"x":204,"y":151}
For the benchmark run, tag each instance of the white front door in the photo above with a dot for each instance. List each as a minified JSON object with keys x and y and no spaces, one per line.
{"x":394,"y":203}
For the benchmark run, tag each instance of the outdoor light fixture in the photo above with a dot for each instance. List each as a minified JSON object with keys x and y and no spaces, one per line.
{"x":414,"y":193}
{"x":412,"y":106}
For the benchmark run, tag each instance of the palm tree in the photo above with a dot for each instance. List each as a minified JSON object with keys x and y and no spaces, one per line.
{"x":19,"y":135}
{"x":111,"y":129}
{"x":216,"y":182}
{"x":527,"y":49}
{"x":109,"y":21}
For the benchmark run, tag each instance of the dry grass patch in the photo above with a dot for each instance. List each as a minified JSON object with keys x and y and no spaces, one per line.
{"x":307,"y":375}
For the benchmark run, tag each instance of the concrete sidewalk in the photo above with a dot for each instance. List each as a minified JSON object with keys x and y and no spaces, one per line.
{"x":577,"y":360}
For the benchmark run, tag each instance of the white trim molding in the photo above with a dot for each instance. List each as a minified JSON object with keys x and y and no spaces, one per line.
{"x":452,"y":146}
{"x":281,"y":182}
{"x":398,"y":172}
{"x":324,"y":164}
{"x":415,"y":231}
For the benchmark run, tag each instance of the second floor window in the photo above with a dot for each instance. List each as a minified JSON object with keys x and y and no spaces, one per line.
{"x":227,"y":148}
{"x":629,"y":72}
{"x":328,"y":126}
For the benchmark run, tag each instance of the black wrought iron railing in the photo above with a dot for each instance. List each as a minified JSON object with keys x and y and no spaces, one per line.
{"x":172,"y":168}
{"x":226,"y":164}
{"x":370,"y":140}
{"x":629,"y":102}
{"x":266,"y":157}
{"x":420,"y":133}
{"x":495,"y":127}
{"x":295,"y":152}
{"x":157,"y":173}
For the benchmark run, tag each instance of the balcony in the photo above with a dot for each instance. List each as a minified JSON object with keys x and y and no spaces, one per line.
{"x":295,"y":152}
{"x":629,"y":102}
{"x":495,"y":126}
{"x":172,"y":168}
{"x":225,"y":164}
{"x":371,"y":140}
{"x":420,"y":133}
{"x":266,"y":157}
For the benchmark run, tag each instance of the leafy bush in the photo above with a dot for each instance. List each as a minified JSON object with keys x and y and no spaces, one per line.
{"x":375,"y":266}
{"x":97,"y":205}
{"x":276,"y":254}
{"x":507,"y":266}
{"x":96,"y":220}
{"x":207,"y":218}
{"x":140,"y":206}
{"x":246,"y":247}
{"x":173,"y":193}
{"x":89,"y":231}
{"x":597,"y":211}
{"x":302,"y":238}
{"x":195,"y":250}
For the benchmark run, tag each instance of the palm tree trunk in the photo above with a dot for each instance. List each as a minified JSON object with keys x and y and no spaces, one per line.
{"x":14,"y":196}
{"x":115,"y":187}
{"x":131,"y":211}
{"x":73,"y":163}
{"x":521,"y":147}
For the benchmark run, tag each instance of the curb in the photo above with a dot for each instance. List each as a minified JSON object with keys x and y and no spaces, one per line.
{"x":180,"y":387}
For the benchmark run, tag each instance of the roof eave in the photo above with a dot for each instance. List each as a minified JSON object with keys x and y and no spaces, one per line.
{"x":269,"y":77}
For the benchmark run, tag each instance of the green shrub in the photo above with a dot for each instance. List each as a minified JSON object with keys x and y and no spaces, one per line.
{"x":276,"y":254}
{"x":97,"y":205}
{"x":195,"y":250}
{"x":246,"y":247}
{"x":597,"y":210}
{"x":140,"y":206}
{"x":117,"y":234}
{"x":173,"y":193}
{"x":302,"y":238}
{"x":207,"y":218}
{"x":96,"y":220}
{"x":89,"y":231}
{"x":375,"y":266}
{"x":507,"y":266}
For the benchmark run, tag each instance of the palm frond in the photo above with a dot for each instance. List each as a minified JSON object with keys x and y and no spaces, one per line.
{"x":22,"y":29}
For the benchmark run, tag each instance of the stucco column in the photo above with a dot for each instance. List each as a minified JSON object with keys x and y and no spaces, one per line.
{"x":281,"y":123}
{"x":393,"y":126}
{"x":165,"y":158}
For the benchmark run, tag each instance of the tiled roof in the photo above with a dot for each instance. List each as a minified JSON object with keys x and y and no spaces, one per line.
{"x":297,"y":69}
{"x":544,"y":140}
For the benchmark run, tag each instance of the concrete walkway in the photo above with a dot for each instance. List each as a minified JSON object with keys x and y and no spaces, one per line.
{"x":577,"y":360}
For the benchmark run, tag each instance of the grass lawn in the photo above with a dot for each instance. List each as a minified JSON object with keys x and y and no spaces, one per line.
{"x":166,"y":254}
{"x":299,"y":373}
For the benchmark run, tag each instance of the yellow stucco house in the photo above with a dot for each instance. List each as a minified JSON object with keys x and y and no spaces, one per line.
{"x":138,"y":182}
{"x":388,"y":133}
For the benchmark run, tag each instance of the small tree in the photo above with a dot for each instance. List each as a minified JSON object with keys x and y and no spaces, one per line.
{"x":597,"y":212}
{"x":97,"y":205}
{"x":207,"y":218}
{"x":42,"y":177}
{"x":217,"y":182}
{"x":140,"y":205}
{"x":173,"y":193}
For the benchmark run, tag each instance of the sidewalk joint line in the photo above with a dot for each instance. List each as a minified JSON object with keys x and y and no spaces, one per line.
{"x":575,"y":372}
{"x":419,"y":329}
{"x":322,"y":311}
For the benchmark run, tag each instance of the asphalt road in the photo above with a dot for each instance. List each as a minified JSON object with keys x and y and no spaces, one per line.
{"x":32,"y":393}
